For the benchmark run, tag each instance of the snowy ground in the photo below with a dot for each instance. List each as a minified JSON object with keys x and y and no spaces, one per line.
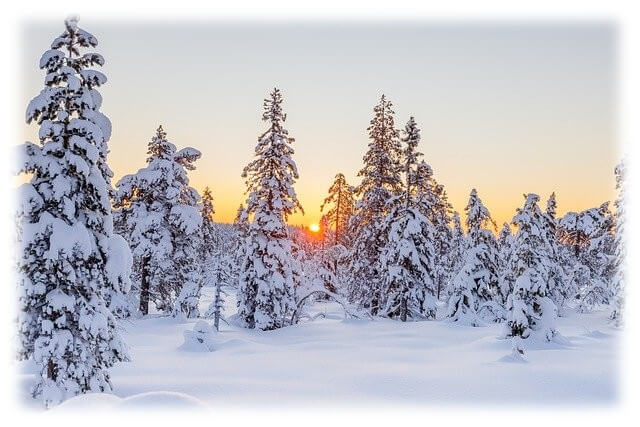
{"x":358,"y":362}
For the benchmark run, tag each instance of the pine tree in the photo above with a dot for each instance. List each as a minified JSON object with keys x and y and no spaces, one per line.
{"x":408,"y":257}
{"x":70,"y":262}
{"x":454,"y":258}
{"x":158,"y":213}
{"x":240,"y":228}
{"x":506,"y":279}
{"x":478,"y":276}
{"x":529,"y":308}
{"x":269,"y":270}
{"x":618,"y":279}
{"x":435,"y":206}
{"x":558,"y":290}
{"x":198,"y":259}
{"x":209,"y":232}
{"x":588,"y":236}
{"x":463,"y":303}
{"x":215,"y":257}
{"x":218,"y":272}
{"x":380,"y":182}
{"x":342,"y":204}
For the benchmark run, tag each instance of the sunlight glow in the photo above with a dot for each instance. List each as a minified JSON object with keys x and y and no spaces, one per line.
{"x":314,"y":228}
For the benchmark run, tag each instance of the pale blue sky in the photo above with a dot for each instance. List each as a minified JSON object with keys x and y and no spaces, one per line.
{"x":507,"y":108}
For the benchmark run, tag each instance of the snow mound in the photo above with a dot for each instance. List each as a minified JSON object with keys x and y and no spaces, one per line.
{"x":154,"y":399}
{"x":162,"y":399}
{"x":596,"y":334}
{"x":201,"y":338}
{"x":514,"y":357}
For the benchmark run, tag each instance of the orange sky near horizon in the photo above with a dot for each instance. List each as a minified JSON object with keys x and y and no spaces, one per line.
{"x":505,"y":108}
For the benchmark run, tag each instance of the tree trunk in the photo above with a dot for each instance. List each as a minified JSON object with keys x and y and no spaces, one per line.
{"x":51,"y":370}
{"x":216,"y":317}
{"x":144,"y":288}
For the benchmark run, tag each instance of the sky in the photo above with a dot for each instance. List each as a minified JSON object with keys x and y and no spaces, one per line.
{"x":506,"y":108}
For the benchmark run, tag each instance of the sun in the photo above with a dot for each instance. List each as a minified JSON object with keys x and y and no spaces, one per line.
{"x":314,"y":228}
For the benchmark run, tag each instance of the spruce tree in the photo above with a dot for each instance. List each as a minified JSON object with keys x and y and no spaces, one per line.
{"x":506,"y":279}
{"x":199,"y":259}
{"x":269,"y":271}
{"x":380,"y":182}
{"x":476,"y":284}
{"x":70,"y":262}
{"x":454,"y":259}
{"x":435,"y":205}
{"x":210,"y":236}
{"x":408,"y":256}
{"x":618,"y":279}
{"x":529,"y":307}
{"x":558,"y":277}
{"x":588,"y":237}
{"x":240,"y":228}
{"x":341,"y":203}
{"x":158,"y":213}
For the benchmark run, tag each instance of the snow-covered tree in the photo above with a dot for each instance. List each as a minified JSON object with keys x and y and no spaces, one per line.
{"x":463,"y":302}
{"x":588,"y":235}
{"x":218,"y":273}
{"x":506,"y":279}
{"x":341,"y":204}
{"x":618,"y":279}
{"x":558,"y":278}
{"x":209,"y":232}
{"x":70,"y":263}
{"x":269,"y":270}
{"x":381,"y":181}
{"x":529,"y":307}
{"x":454,"y":258}
{"x":240,"y":230}
{"x":479,"y":274}
{"x":408,"y":256}
{"x":158,"y":213}
{"x":480,"y":236}
{"x":319,"y":269}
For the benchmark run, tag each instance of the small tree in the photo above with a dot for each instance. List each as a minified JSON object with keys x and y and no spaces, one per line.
{"x":506,"y":279}
{"x":588,"y":235}
{"x":341,"y":202}
{"x":218,"y":273}
{"x":70,"y":264}
{"x":478,"y":276}
{"x":529,"y":308}
{"x":454,"y":258}
{"x":269,"y":271}
{"x":618,"y":280}
{"x":559,"y":292}
{"x":463,"y":302}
